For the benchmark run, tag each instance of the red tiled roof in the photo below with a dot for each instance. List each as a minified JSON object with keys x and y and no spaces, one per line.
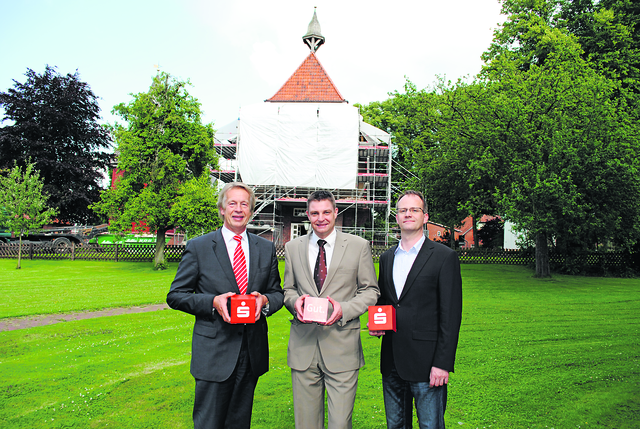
{"x":309,"y":83}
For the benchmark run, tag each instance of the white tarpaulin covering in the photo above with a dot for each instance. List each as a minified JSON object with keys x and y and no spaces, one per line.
{"x":299,"y":144}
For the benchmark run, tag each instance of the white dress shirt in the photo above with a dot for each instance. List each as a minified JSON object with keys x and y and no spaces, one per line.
{"x":402,"y":263}
{"x":231,"y":243}
{"x":314,"y":249}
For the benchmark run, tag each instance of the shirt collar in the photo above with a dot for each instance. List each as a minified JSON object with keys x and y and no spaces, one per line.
{"x":415,"y":249}
{"x":331,"y":239}
{"x":228,"y":235}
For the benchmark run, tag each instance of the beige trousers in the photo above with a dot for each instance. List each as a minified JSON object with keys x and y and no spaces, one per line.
{"x":308,"y":396}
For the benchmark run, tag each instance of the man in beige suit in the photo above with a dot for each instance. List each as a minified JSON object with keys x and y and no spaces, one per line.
{"x":337,"y":266}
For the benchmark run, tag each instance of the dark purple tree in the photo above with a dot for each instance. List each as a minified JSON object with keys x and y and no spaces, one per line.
{"x":52,"y":121}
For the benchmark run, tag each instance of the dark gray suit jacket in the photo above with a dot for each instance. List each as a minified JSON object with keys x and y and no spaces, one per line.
{"x":428,"y":313}
{"x":204,"y":272}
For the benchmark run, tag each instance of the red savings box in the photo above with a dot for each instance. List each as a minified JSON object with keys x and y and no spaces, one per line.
{"x":382,"y":318}
{"x":315,"y":309}
{"x":242,"y":309}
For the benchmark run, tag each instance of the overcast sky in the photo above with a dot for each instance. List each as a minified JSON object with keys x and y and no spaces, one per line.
{"x":241,"y":52}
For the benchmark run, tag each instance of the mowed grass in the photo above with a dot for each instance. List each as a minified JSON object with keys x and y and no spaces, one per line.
{"x":558,"y":353}
{"x":46,"y":287}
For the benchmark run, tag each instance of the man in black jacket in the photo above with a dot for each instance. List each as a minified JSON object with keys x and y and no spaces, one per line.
{"x":422,"y":280}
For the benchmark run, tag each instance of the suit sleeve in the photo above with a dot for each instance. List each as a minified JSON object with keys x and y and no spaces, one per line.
{"x":450,"y":313}
{"x":182,"y":294}
{"x":274,"y":291}
{"x":366,"y":292}
{"x":290,"y":287}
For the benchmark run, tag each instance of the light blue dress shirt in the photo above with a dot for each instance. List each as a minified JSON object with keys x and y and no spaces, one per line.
{"x":402,"y":263}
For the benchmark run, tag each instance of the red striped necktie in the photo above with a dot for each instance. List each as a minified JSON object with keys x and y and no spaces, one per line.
{"x":240,"y":266}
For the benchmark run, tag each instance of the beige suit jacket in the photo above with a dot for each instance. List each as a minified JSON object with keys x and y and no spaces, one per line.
{"x":351,"y":280}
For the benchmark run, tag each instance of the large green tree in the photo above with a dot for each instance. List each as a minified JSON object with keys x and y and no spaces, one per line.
{"x":23,"y":203}
{"x":431,"y":129}
{"x":164,"y":151}
{"x":460,"y":170}
{"x":569,"y":124}
{"x":569,"y":145}
{"x":53,"y":122}
{"x":545,"y":136}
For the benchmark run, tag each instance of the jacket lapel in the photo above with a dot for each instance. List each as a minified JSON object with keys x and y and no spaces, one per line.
{"x":391,"y":286}
{"x":254,"y":258}
{"x":303,"y":254}
{"x":423,"y":256}
{"x":338,"y":253}
{"x":220,"y":250}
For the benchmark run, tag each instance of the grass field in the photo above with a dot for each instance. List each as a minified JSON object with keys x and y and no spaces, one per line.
{"x":557,"y":353}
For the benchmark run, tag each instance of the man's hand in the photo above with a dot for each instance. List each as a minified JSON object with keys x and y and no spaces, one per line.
{"x":375,"y":333}
{"x":337,"y":312}
{"x":220,"y":304}
{"x":438,"y":377}
{"x":261,"y":301}
{"x":300,"y":307}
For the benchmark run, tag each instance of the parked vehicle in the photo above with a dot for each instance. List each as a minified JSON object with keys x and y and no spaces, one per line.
{"x":59,"y":238}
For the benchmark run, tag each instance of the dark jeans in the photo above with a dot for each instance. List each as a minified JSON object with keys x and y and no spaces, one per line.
{"x":431,"y":403}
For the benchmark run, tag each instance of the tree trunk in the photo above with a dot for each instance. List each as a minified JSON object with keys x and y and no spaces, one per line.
{"x":158,"y":261}
{"x":452,"y":238}
{"x":19,"y":252}
{"x":542,"y":256}
{"x":476,"y":239}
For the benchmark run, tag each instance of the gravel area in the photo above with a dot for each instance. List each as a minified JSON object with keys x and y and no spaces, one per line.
{"x":13,"y":323}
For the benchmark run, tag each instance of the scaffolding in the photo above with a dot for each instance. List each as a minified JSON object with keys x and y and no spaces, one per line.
{"x":371,"y":197}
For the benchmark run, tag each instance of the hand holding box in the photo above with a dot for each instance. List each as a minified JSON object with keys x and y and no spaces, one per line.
{"x":315,"y":309}
{"x":242,"y":309}
{"x":382,"y":318}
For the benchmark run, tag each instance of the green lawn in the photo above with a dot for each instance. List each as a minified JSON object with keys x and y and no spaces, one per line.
{"x":558,"y":353}
{"x":45,"y":287}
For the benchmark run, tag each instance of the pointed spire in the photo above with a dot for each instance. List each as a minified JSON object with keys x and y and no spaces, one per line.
{"x":313,"y":38}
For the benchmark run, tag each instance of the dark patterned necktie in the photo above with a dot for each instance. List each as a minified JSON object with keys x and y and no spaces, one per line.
{"x":320,"y":271}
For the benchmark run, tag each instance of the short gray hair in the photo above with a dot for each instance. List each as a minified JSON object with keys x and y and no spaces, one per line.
{"x":222,"y":196}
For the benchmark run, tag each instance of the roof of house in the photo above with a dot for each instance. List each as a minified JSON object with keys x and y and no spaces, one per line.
{"x":309,"y":83}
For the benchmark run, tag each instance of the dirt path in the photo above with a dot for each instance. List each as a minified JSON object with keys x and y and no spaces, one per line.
{"x":11,"y":324}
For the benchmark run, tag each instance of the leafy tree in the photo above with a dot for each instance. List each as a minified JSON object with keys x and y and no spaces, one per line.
{"x":196,"y":208}
{"x":455,"y":171}
{"x":609,"y":33}
{"x":411,"y":117}
{"x":569,"y":150}
{"x":54,"y":123}
{"x":163,"y":150}
{"x":431,"y":130}
{"x":492,"y":233}
{"x":24,"y":203}
{"x":580,"y":103}
{"x":408,"y":116}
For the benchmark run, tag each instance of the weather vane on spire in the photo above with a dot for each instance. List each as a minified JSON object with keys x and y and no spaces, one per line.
{"x":313,"y":38}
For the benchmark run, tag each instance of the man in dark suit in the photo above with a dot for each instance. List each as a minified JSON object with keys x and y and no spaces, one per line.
{"x":227,"y":359}
{"x":422,"y":280}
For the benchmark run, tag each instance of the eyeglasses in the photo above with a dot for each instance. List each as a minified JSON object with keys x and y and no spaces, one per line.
{"x":412,"y":210}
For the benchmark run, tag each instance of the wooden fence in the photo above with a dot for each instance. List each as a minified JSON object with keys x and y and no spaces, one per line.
{"x":145,"y":253}
{"x":111,"y":252}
